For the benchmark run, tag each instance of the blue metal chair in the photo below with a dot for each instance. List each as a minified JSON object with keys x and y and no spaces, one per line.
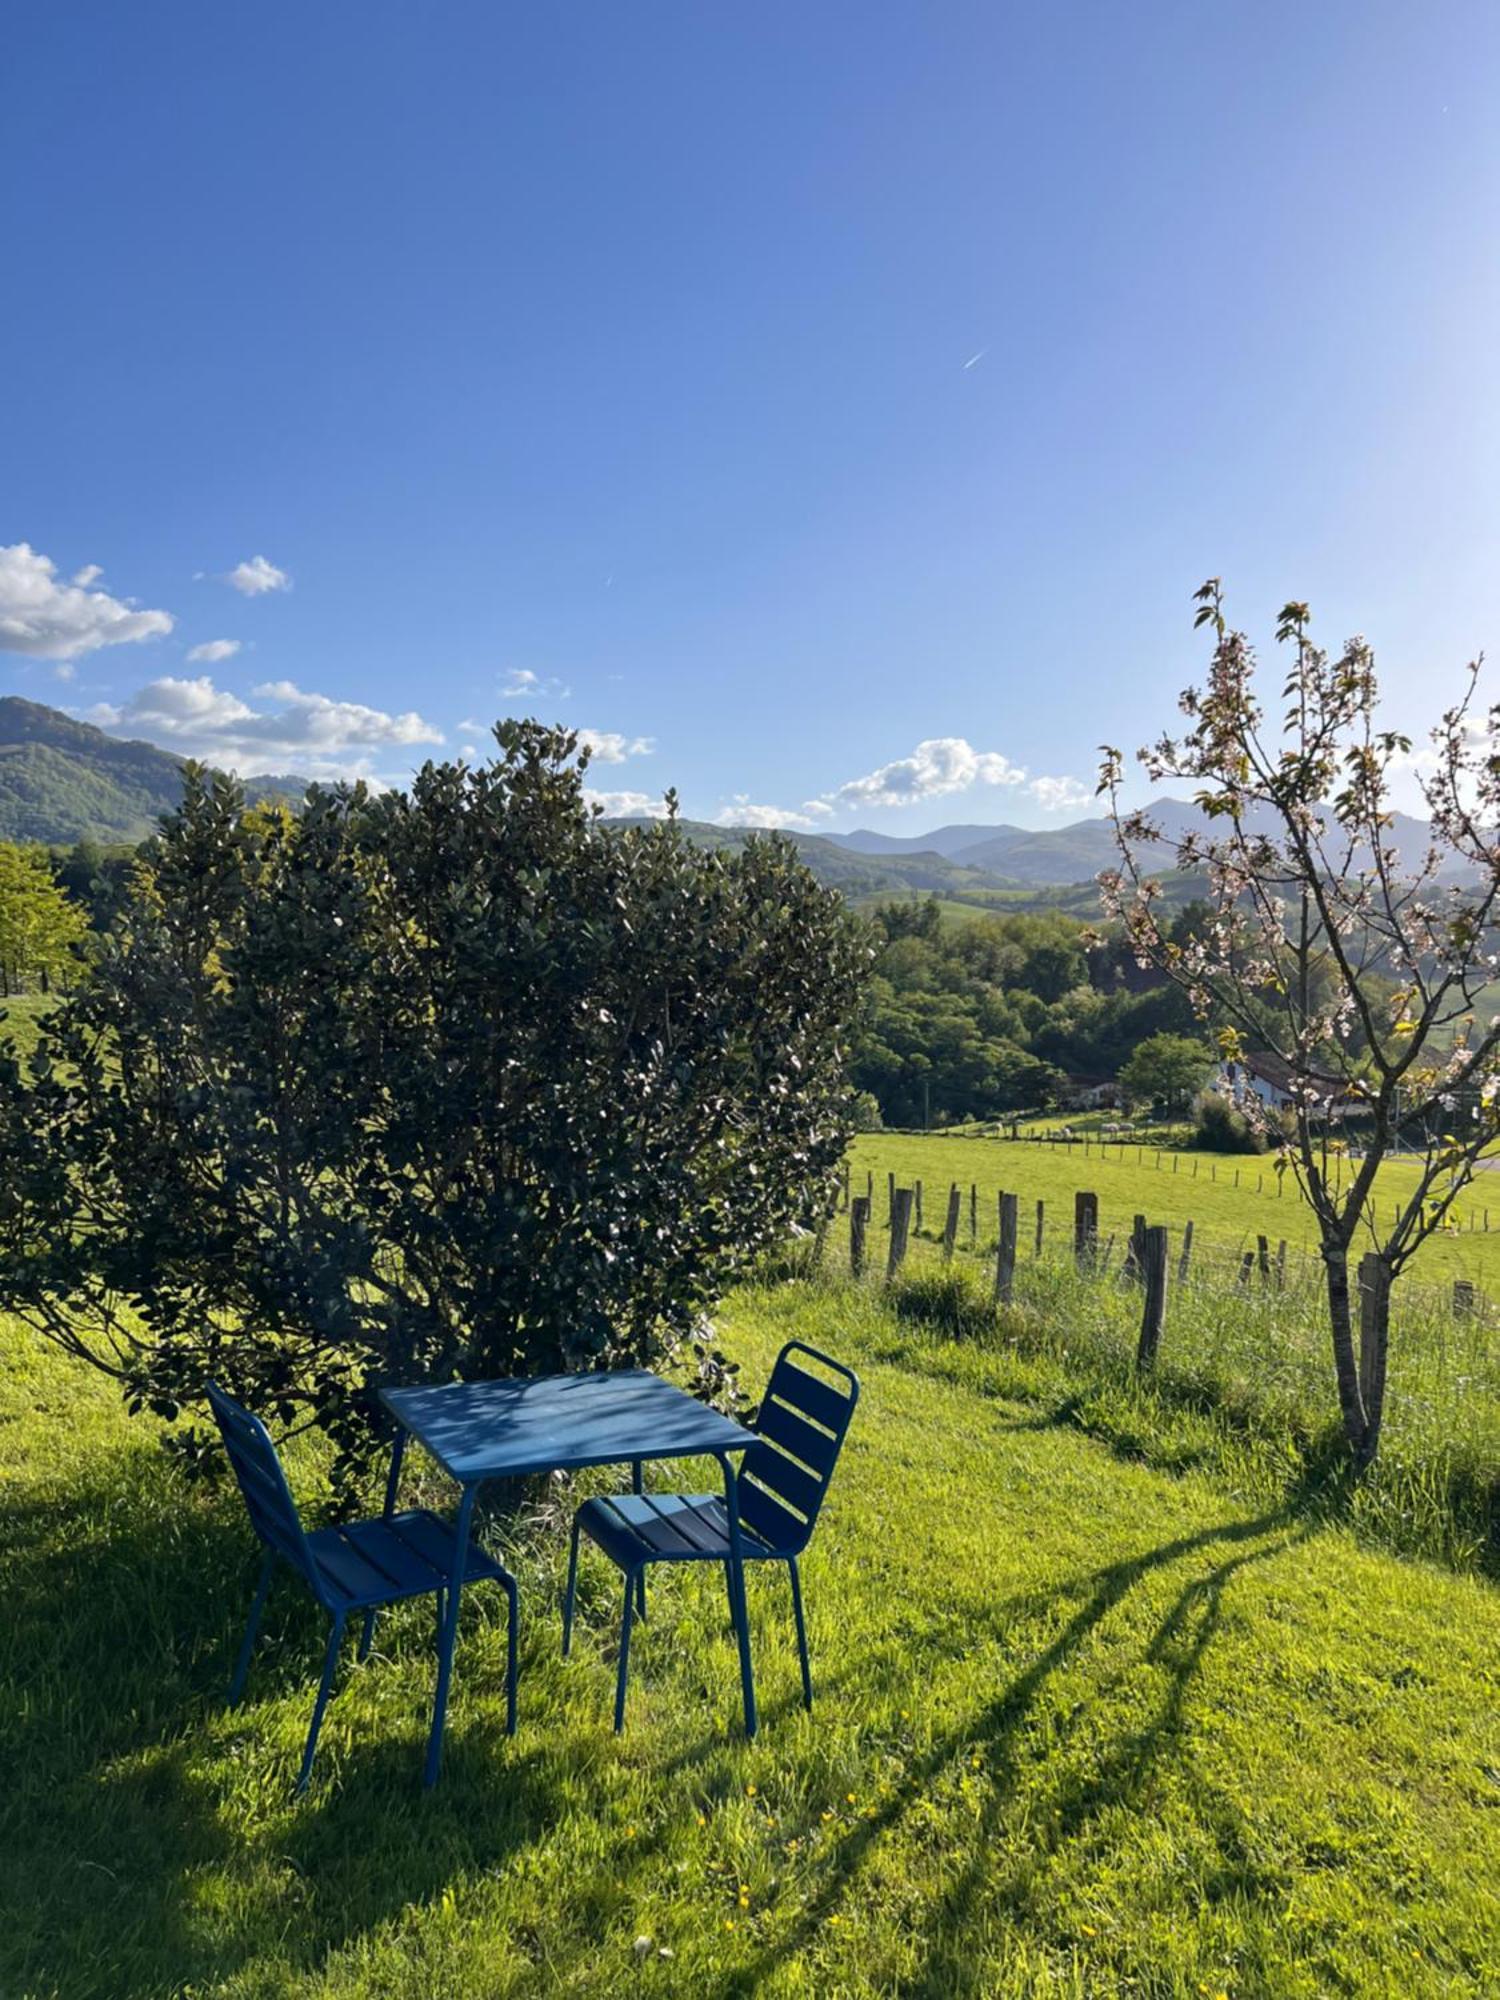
{"x":800,"y":1430}
{"x":363,"y":1566}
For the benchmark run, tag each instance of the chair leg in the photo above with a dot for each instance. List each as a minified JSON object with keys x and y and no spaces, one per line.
{"x":325,"y":1688}
{"x":624,"y":1670}
{"x":571,"y":1591}
{"x":513,"y":1654}
{"x":367,"y":1635}
{"x":242,"y":1664}
{"x":801,"y":1632}
{"x":638,"y":1485}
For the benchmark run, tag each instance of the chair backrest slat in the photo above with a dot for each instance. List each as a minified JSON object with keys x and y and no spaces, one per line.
{"x":806,"y":1393}
{"x":760,"y":1511}
{"x":802,"y":1424}
{"x":263,"y":1484}
{"x":816,"y":1449}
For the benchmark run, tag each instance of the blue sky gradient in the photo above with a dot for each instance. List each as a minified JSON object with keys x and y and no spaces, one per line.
{"x":633,"y":349}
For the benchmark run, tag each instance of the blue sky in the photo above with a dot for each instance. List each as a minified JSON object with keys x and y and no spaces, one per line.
{"x":770,"y":391}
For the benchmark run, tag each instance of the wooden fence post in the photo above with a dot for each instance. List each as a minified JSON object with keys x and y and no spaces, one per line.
{"x":890,"y":1200}
{"x":1085,"y":1229}
{"x":973,"y":1213}
{"x":1041,"y":1223}
{"x":859,"y":1219}
{"x":1131,"y":1268}
{"x":950,"y":1227}
{"x":1281,"y":1265}
{"x":918,"y":1192}
{"x":1247,"y":1265}
{"x":1187,"y":1252}
{"x":1154,"y":1308}
{"x":900,"y":1229}
{"x":1463,"y":1299}
{"x":1005,"y":1255}
{"x":870,"y":1185}
{"x":1263,"y":1260}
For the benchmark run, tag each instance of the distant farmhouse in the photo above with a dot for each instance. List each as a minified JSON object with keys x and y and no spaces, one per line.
{"x":1269,"y":1077}
{"x":1089,"y":1093}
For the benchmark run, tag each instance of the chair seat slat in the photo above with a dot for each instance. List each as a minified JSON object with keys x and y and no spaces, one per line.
{"x":346,"y":1572}
{"x":432,"y":1540}
{"x":706,"y":1537}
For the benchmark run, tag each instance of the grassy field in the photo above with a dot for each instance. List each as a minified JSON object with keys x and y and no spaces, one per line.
{"x":1228,"y":1200}
{"x":1085,"y":1727}
{"x":1244,"y":1370}
{"x":22,"y":1015}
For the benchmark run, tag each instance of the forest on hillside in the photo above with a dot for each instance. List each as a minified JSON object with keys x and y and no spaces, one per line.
{"x":973,"y":1020}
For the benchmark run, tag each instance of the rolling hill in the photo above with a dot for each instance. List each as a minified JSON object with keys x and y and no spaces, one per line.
{"x":62,"y":780}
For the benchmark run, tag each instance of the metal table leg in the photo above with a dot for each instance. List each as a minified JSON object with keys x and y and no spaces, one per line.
{"x":449,"y":1634}
{"x":737,"y":1590}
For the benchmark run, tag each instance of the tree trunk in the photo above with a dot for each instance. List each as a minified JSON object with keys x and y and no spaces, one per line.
{"x":1345,"y":1364}
{"x":1374,"y":1343}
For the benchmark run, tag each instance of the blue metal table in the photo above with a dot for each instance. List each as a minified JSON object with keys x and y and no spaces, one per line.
{"x":478,"y":1431}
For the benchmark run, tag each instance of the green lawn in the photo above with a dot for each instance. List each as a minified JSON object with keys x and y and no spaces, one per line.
{"x":1084,"y":1728}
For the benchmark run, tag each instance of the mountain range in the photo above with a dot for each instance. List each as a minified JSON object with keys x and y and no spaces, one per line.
{"x":62,"y":780}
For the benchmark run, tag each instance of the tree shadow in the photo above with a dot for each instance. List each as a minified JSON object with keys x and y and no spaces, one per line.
{"x":124,"y":1600}
{"x":123,"y":1604}
{"x":1178,"y":1645}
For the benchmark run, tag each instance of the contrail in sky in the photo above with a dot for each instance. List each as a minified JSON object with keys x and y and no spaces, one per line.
{"x":976,"y":357}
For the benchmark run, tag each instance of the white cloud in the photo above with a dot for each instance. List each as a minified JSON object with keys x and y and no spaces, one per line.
{"x":50,"y":620}
{"x":608,"y":746}
{"x":628,"y":805}
{"x":90,"y":573}
{"x":941,"y":764}
{"x":310,"y":733}
{"x":742,"y":813}
{"x":254,"y":578}
{"x":1060,"y":794}
{"x":522,"y":681}
{"x":213,"y":650}
{"x":468,"y":752}
{"x":65,"y":672}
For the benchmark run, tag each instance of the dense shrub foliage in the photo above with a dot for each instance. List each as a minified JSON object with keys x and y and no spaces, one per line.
{"x":1219,"y":1128}
{"x":454,"y":1082}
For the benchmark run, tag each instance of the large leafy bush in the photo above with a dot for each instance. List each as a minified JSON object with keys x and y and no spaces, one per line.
{"x":454,"y":1082}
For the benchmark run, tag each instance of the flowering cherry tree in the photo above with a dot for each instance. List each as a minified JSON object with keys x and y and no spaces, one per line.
{"x":1362,"y":964}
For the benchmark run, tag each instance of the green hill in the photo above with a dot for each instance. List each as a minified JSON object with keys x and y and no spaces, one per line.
{"x":861,"y":876}
{"x":62,"y":781}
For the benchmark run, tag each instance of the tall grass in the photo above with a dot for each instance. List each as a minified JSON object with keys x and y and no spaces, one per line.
{"x":1243,"y":1378}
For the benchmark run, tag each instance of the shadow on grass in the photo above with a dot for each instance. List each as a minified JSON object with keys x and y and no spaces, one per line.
{"x":122,"y":1605}
{"x":1455,"y":1507}
{"x":124,"y":1602}
{"x":1177,"y":1646}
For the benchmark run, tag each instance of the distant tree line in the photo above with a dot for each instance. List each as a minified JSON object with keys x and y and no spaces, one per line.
{"x":976,"y":1019}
